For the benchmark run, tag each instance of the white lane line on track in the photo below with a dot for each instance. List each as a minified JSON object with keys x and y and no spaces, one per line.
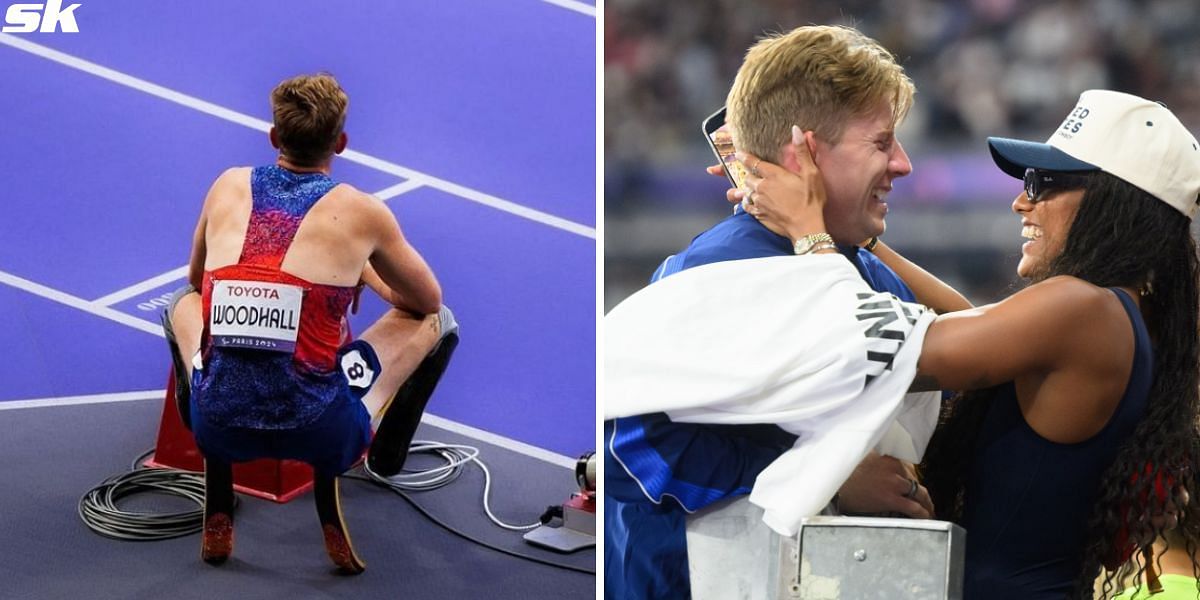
{"x":579,"y":7}
{"x":144,"y":286}
{"x":465,"y":430}
{"x":400,"y":188}
{"x":38,"y":289}
{"x":89,"y":399}
{"x":260,"y":125}
{"x":499,"y":440}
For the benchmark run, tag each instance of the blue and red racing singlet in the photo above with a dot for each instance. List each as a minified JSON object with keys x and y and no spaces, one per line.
{"x":270,"y":338}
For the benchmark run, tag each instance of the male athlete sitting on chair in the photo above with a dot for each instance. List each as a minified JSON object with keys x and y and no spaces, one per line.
{"x":279,"y":255}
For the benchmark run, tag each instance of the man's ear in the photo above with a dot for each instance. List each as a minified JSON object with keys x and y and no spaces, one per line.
{"x":340,"y":145}
{"x":787,"y":158}
{"x":787,"y":153}
{"x":810,"y":138}
{"x":274,"y":138}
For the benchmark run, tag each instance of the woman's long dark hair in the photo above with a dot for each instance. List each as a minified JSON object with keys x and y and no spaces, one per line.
{"x":1121,"y":236}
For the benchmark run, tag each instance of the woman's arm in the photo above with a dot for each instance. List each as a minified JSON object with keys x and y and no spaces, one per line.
{"x":1037,"y":330}
{"x":929,"y":290}
{"x":1066,"y":344}
{"x":1060,"y":330}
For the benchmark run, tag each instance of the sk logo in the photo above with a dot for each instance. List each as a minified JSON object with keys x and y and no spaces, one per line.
{"x":24,"y":18}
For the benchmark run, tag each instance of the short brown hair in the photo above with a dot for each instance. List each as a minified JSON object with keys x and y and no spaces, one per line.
{"x":309,"y":112}
{"x":816,"y":77}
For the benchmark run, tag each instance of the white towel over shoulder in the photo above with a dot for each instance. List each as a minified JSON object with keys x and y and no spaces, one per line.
{"x":801,"y":342}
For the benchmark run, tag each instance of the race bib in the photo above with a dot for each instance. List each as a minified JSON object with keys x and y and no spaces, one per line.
{"x":254,"y":314}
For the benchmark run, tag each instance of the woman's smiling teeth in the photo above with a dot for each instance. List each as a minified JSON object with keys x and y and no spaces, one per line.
{"x":1032,"y":232}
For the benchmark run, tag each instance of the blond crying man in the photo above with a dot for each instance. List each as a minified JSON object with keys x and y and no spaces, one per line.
{"x":848,"y":91}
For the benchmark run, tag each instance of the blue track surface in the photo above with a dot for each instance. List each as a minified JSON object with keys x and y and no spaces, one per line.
{"x":476,"y":102}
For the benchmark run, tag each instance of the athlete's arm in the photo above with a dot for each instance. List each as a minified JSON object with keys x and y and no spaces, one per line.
{"x":928,"y":289}
{"x":372,"y":280}
{"x":409,"y":281}
{"x":199,"y":246}
{"x":196,"y":262}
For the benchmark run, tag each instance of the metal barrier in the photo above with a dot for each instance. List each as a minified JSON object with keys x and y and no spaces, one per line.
{"x":732,"y":554}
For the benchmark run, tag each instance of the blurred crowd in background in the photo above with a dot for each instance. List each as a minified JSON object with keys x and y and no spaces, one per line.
{"x":981,"y":67}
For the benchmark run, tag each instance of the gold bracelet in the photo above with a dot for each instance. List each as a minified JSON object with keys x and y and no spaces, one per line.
{"x":805,"y":244}
{"x":821,"y":246}
{"x":870,"y":247}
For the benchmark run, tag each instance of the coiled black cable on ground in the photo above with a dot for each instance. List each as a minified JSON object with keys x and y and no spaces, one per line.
{"x":99,"y":507}
{"x":99,"y":511}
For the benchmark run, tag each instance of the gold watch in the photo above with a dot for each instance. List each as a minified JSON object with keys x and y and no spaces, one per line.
{"x":808,"y":243}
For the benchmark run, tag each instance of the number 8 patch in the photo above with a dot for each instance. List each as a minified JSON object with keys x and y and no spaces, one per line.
{"x":357,"y":370}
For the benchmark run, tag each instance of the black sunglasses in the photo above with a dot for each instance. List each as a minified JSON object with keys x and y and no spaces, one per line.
{"x":1038,"y":182}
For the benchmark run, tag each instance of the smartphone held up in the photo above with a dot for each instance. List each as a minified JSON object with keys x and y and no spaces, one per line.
{"x":720,"y":139}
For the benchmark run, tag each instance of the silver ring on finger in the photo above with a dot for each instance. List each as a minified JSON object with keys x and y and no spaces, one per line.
{"x":750,"y":197}
{"x":912,"y":489}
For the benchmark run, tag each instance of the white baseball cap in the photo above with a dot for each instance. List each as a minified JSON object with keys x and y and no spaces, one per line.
{"x":1129,"y":137}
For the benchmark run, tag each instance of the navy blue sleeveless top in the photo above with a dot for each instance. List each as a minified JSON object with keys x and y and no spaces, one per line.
{"x":1028,"y":499}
